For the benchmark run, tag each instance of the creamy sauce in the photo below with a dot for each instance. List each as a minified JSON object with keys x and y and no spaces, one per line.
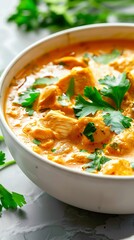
{"x":50,"y":127}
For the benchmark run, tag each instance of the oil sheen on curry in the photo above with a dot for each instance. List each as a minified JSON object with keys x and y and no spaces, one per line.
{"x":75,"y":106}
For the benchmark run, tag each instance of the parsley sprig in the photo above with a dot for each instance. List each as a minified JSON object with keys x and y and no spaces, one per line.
{"x":97,"y":160}
{"x":8,"y":200}
{"x":27,"y":99}
{"x":115,"y":89}
{"x":30,"y":15}
{"x":102,"y":58}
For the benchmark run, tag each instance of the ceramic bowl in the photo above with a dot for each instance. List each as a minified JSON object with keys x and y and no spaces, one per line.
{"x":106,"y":194}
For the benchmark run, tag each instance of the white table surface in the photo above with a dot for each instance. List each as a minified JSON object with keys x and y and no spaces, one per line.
{"x":44,"y":217}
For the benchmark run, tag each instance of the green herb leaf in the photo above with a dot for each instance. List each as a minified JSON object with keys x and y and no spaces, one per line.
{"x":116,"y":121}
{"x":115,"y":88}
{"x":108,"y":57}
{"x":2,"y":158}
{"x":29,"y":111}
{"x":27,"y":98}
{"x":53,"y":150}
{"x":1,"y":138}
{"x":36,"y":141}
{"x":89,"y":130}
{"x":98,"y":159}
{"x":45,"y":81}
{"x":10,"y":200}
{"x":83,"y":107}
{"x":70,"y":90}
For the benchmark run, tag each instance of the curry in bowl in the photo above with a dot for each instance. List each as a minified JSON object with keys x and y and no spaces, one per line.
{"x":75,"y":106}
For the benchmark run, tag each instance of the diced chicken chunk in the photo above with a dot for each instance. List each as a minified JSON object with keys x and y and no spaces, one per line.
{"x":102,"y":133}
{"x":38,"y":132}
{"x":123,"y":63}
{"x":82,"y":77}
{"x":117,"y":167}
{"x":60,"y":124}
{"x":70,"y":62}
{"x":122,"y":143}
{"x":47,"y":97}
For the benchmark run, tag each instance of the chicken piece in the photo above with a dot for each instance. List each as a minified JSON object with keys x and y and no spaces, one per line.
{"x":121,"y":144}
{"x":123,"y":63}
{"x":70,"y":62}
{"x":47,"y":97}
{"x":82,"y":77}
{"x":60,"y":124}
{"x":38,"y":132}
{"x":102,"y":133}
{"x":117,"y":167}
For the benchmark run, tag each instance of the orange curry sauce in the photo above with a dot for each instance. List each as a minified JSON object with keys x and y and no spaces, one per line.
{"x":50,"y":125}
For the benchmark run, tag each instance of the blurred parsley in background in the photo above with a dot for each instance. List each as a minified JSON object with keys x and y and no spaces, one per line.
{"x":60,"y":14}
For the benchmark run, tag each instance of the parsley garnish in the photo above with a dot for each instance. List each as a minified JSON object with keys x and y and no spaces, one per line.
{"x":115,"y":88}
{"x":107,"y":57}
{"x":115,"y":119}
{"x":36,"y":141}
{"x":27,"y":98}
{"x":70,"y":90}
{"x":98,"y":159}
{"x":89,"y":130}
{"x":45,"y":81}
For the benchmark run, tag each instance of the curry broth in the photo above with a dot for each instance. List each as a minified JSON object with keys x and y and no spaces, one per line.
{"x":49,"y":125}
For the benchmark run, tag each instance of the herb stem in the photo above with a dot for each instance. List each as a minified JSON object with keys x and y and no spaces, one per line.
{"x":7,"y":164}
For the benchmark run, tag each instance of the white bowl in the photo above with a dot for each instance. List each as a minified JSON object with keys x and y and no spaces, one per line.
{"x":107,"y":194}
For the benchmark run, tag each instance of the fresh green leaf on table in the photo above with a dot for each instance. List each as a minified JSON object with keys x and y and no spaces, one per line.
{"x":2,"y":157}
{"x":60,"y":14}
{"x":10,"y":200}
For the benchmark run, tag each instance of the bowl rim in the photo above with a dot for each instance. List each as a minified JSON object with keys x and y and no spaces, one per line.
{"x":16,"y":139}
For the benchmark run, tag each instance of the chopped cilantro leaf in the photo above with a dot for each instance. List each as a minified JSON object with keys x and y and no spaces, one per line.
{"x":27,"y":98}
{"x":115,"y":88}
{"x":70,"y":90}
{"x":10,"y":200}
{"x":117,"y":121}
{"x":45,"y":81}
{"x":1,"y":138}
{"x":107,"y":57}
{"x":29,"y":111}
{"x":83,"y":107}
{"x":89,"y":130}
{"x":2,"y":158}
{"x":36,"y":141}
{"x":53,"y":150}
{"x":98,"y":159}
